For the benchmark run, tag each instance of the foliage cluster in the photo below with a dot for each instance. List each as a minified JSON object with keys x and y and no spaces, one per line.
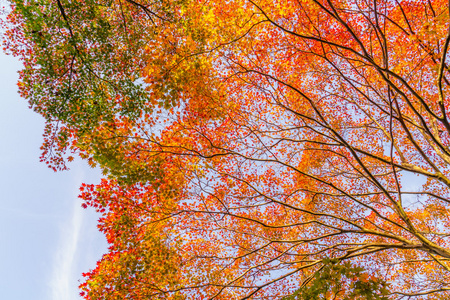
{"x":248,"y":144}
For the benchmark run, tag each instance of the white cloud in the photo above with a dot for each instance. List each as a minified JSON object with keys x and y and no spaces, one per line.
{"x":64,"y":282}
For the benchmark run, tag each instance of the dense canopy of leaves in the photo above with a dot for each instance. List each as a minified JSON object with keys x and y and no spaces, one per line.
{"x":249,"y":145}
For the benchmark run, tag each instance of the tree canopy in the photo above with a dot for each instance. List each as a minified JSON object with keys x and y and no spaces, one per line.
{"x":251,"y":149}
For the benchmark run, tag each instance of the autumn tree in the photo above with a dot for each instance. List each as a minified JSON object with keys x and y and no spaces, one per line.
{"x":246,"y":143}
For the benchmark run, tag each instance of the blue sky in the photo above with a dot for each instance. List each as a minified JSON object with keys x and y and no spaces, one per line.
{"x":46,"y":239}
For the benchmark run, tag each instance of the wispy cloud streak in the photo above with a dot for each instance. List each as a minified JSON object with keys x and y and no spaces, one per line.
{"x":64,"y":276}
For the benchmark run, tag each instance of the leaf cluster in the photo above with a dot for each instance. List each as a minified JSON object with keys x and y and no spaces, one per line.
{"x":336,"y":280}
